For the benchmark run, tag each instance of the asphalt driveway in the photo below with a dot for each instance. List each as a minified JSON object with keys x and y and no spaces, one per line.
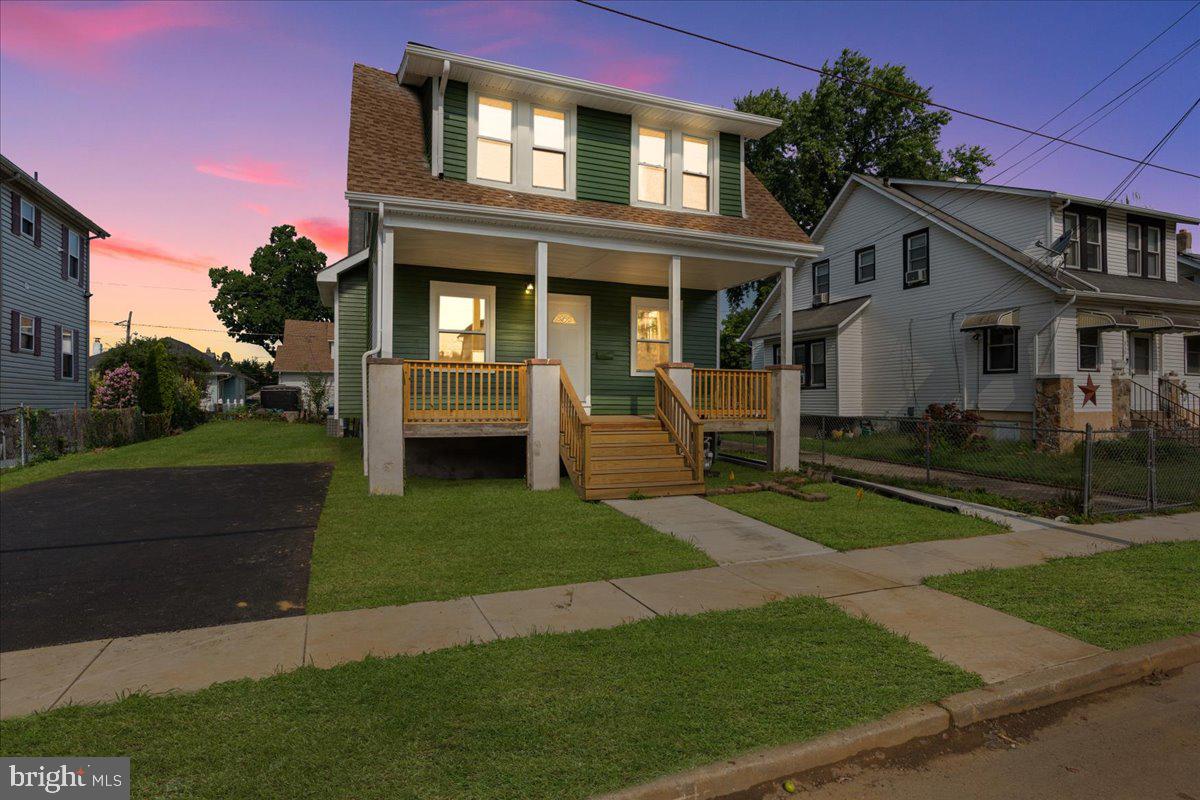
{"x":124,"y":552}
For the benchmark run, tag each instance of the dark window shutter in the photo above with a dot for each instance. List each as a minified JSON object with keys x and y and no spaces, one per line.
{"x":75,"y":337}
{"x":14,"y":333}
{"x":37,"y":336}
{"x":84,"y":244}
{"x":16,"y":213}
{"x":58,"y":352}
{"x":37,"y":227}
{"x":66,"y":250}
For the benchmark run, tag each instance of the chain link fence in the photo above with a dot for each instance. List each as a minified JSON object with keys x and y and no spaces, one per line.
{"x":1058,"y":471}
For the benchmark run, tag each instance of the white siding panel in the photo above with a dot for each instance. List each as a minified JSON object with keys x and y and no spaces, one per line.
{"x":1019,"y":221}
{"x":850,"y":374}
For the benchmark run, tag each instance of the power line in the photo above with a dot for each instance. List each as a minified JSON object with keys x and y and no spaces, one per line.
{"x":148,"y":286}
{"x":1133,"y":175}
{"x":876,"y":87}
{"x":183,"y":328}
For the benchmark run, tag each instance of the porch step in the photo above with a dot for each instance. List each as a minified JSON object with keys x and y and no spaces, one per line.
{"x":632,"y":456}
{"x":604,"y":449}
{"x":603,"y":437}
{"x":640,"y":477}
{"x":624,"y":462}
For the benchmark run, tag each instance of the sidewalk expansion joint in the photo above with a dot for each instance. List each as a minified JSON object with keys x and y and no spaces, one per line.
{"x":75,"y":680}
{"x":631,"y":597}
{"x":475,"y":602}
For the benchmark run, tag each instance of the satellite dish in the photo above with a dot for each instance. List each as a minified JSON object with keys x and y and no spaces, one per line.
{"x":1060,"y":245}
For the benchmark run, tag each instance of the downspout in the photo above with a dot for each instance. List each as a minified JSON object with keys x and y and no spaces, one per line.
{"x":376,"y":335}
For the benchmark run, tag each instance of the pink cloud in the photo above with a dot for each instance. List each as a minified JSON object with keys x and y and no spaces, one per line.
{"x":258,"y":208}
{"x":641,"y":73}
{"x":141,"y":251}
{"x":329,"y":235}
{"x":90,"y":37}
{"x":247,"y":170}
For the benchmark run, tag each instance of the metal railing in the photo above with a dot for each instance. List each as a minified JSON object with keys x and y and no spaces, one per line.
{"x":464,"y":392}
{"x":732,"y":393}
{"x":1173,"y":411}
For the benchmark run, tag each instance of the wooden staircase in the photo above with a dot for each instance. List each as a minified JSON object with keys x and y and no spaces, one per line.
{"x":619,"y":457}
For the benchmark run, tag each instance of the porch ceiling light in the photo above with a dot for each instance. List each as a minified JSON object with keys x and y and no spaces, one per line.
{"x":529,"y":288}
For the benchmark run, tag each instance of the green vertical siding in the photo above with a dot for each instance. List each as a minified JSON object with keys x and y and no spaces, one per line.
{"x":602,"y":153}
{"x":353,"y":332}
{"x":614,"y":390}
{"x":454,"y":131}
{"x":731,"y":174}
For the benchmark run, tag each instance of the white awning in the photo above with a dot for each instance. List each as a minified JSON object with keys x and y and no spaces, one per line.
{"x":1152,"y":322}
{"x":1009,"y":318}
{"x":1105,"y":320}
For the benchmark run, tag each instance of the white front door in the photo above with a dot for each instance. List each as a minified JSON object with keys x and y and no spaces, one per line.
{"x":570,"y":340}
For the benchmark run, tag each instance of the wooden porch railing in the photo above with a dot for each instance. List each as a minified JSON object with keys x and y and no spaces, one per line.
{"x":464,"y":392}
{"x":681,"y":421}
{"x":575,"y":432}
{"x":732,"y":393}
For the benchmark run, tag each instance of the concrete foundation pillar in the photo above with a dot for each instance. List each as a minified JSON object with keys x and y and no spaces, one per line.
{"x":786,"y":383}
{"x":680,"y":374}
{"x":1122,"y":401}
{"x":385,"y":425}
{"x":541,"y":446}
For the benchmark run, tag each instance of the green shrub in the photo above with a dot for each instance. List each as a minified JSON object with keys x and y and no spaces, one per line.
{"x":157,"y":425}
{"x":156,"y":392}
{"x":187,"y":413}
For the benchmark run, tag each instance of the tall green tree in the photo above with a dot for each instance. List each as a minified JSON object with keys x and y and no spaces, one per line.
{"x":281,"y":284}
{"x":840,"y":128}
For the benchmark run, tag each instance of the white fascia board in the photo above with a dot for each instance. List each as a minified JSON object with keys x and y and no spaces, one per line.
{"x":1128,"y":209}
{"x":327,"y":278}
{"x":853,"y":316}
{"x":580,"y":230}
{"x":600,"y":95}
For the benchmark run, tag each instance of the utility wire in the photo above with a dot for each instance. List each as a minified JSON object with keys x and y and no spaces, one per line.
{"x":876,"y":87}
{"x":1133,"y":175}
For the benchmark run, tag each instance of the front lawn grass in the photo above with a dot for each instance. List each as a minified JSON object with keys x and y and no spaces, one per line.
{"x":1114,"y":600}
{"x":851,"y":519}
{"x":446,"y":539}
{"x":551,"y":716}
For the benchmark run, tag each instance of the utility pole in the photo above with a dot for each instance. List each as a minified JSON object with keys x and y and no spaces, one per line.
{"x":128,"y":325}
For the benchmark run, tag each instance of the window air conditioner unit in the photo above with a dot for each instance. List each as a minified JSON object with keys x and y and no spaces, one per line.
{"x":820,"y":299}
{"x":917,"y":276}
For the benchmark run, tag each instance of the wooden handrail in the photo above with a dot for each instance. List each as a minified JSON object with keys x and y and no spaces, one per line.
{"x":682,"y":423}
{"x":574,"y":431}
{"x":464,"y":392}
{"x":732,"y":393}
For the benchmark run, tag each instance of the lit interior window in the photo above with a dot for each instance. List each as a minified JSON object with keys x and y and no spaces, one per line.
{"x":549,"y":149}
{"x":695,"y":173}
{"x":462,"y":328}
{"x":493,"y":153}
{"x":652,"y":166}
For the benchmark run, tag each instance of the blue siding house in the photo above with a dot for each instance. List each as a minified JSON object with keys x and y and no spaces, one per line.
{"x":44,"y":294}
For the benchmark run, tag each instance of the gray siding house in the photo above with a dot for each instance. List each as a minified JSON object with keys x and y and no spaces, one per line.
{"x":937,"y":292}
{"x":44,"y":294}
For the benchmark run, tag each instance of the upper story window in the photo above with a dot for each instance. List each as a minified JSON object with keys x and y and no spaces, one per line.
{"x":820,"y":277}
{"x":494,"y":140}
{"x":74,"y":254}
{"x":652,"y":166}
{"x":27,"y":336}
{"x":1133,"y":247}
{"x":549,"y":149}
{"x":1086,"y":249}
{"x":28,"y":219}
{"x":1153,"y":252}
{"x":673,"y":169}
{"x":916,"y":259}
{"x":864,"y":264}
{"x":1143,"y":247}
{"x":695,"y":173}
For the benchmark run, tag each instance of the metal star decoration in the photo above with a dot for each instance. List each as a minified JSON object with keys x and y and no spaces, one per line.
{"x":1089,"y":391}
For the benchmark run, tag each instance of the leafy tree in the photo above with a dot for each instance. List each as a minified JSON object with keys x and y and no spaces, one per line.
{"x":281,"y":284}
{"x":735,"y":354}
{"x":159,"y":381}
{"x":142,"y":349}
{"x":838,"y":129}
{"x":259,"y":373}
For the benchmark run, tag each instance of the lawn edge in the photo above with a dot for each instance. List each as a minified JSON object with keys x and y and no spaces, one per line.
{"x":1023,"y":693}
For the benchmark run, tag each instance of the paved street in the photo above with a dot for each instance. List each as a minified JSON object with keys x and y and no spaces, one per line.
{"x":1135,"y":743}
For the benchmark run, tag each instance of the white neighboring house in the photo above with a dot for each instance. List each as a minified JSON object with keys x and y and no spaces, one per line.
{"x":306,"y":356}
{"x":938,"y":291}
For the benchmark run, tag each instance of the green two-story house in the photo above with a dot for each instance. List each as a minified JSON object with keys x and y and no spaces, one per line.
{"x":501,"y":214}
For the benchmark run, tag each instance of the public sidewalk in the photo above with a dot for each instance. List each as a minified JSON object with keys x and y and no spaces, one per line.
{"x":881,"y":583}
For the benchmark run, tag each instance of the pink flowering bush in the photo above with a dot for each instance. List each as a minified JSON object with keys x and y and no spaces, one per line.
{"x":118,"y":388}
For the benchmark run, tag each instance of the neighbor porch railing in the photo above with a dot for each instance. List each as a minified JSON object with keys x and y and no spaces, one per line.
{"x":464,"y":392}
{"x":575,"y":431}
{"x":681,"y":421}
{"x":732,"y":393}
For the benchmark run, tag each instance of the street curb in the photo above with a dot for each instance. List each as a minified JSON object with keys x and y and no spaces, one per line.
{"x":1023,"y":693}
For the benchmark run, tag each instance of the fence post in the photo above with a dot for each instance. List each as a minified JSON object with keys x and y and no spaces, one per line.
{"x":21,"y":429}
{"x":822,"y":441}
{"x":928,"y":451}
{"x":1087,"y":471}
{"x":1152,"y":468}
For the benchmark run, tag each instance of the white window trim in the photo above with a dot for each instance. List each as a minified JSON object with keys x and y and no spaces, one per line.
{"x":662,"y":303}
{"x":1130,"y":249}
{"x":488,"y":293}
{"x":1076,"y":239}
{"x":521,"y":166}
{"x":25,"y":204}
{"x":1158,"y":254}
{"x":675,"y":168}
{"x":21,"y":318}
{"x":1151,"y":366}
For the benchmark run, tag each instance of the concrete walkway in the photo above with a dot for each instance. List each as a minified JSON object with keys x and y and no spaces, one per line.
{"x":881,"y":584}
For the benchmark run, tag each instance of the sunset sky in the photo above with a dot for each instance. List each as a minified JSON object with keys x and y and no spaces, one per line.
{"x":188,"y":129}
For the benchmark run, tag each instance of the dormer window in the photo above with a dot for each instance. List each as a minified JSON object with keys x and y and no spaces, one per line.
{"x":695,"y":173}
{"x":1153,"y":252}
{"x":549,"y":149}
{"x":494,"y":140}
{"x":1086,"y":249}
{"x":673,"y":169}
{"x":652,"y":166}
{"x":520,"y":145}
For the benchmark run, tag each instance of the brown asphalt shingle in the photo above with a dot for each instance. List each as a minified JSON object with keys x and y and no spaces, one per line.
{"x":305,"y":347}
{"x":387,"y":156}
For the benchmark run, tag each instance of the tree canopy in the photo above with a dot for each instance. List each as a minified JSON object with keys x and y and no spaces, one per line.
{"x":840,"y":128}
{"x":281,"y":284}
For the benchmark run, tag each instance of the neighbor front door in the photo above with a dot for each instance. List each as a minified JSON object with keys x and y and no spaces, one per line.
{"x":570,"y":341}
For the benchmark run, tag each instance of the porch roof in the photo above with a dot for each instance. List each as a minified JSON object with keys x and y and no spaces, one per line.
{"x":1104,"y":320}
{"x":809,"y":320}
{"x":387,"y":159}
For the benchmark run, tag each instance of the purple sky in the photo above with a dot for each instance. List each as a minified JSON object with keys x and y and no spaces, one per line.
{"x":187,"y":130}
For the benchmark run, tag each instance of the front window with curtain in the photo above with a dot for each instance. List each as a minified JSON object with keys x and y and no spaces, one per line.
{"x":651,"y":335}
{"x":493,"y":148}
{"x":652,"y":166}
{"x":462,"y":328}
{"x":695,"y":173}
{"x":549,"y":149}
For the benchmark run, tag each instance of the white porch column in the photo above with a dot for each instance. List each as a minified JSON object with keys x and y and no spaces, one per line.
{"x":385,"y":434}
{"x":541,"y":299}
{"x":386,"y":264}
{"x":675,"y":304}
{"x":785,"y":336}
